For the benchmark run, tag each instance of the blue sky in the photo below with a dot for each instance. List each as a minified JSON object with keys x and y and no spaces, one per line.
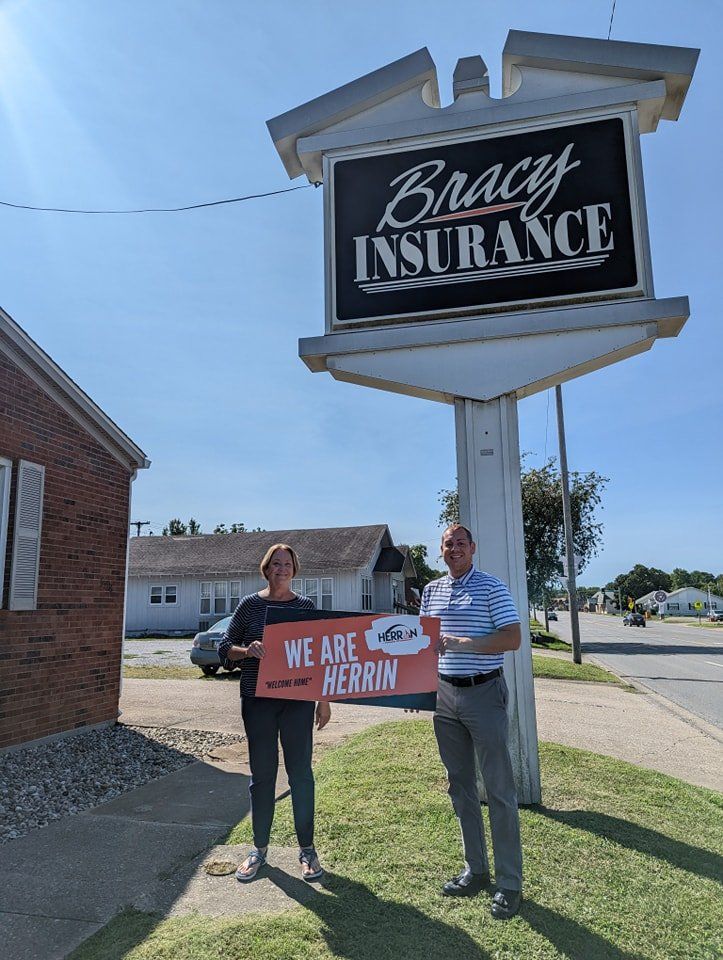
{"x":184,"y":327}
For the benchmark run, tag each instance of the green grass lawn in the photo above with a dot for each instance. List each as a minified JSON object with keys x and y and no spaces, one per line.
{"x":620,"y":864}
{"x":542,"y":666}
{"x":546,"y":639}
{"x":554,"y":668}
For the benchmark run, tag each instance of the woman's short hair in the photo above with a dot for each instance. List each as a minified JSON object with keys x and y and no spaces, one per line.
{"x":264,"y":565}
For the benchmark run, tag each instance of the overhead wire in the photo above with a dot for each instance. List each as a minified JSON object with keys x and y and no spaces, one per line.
{"x":189,"y":206}
{"x":612,"y":14}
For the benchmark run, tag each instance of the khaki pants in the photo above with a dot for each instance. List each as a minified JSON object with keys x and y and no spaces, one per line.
{"x":471,"y":720}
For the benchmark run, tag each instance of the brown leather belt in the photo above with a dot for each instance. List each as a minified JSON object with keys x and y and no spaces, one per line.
{"x":471,"y":681}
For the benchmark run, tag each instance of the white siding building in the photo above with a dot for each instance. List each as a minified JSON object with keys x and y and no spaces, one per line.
{"x":681,"y":603}
{"x":179,"y":585}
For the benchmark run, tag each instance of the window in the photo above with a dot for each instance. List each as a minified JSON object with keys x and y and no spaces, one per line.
{"x":163,"y":594}
{"x":366,"y":593}
{"x":6,"y":470}
{"x":219,"y":596}
{"x":311,"y":590}
{"x":26,"y":537}
{"x":205,"y":597}
{"x":327,"y":593}
{"x":234,"y":595}
{"x":297,"y":585}
{"x":397,"y":594}
{"x":673,"y":606}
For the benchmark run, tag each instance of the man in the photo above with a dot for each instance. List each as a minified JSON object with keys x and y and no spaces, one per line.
{"x":479,"y":623}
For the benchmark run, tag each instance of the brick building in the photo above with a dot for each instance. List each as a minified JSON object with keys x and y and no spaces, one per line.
{"x":65,"y":477}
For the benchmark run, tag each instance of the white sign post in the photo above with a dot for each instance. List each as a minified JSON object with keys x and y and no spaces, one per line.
{"x":482,"y":252}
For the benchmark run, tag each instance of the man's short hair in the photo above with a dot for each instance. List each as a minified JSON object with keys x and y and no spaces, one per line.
{"x":458,"y":526}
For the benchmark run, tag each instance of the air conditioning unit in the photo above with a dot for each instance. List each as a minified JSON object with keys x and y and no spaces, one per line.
{"x":203,"y":625}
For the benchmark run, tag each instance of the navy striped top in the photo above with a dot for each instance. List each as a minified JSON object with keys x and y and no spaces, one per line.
{"x":474,"y":605}
{"x":247,"y":625}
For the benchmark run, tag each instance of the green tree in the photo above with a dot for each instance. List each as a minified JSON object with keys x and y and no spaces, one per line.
{"x":639,"y":581}
{"x":425,"y":573}
{"x":175,"y":528}
{"x":235,"y":528}
{"x":544,"y":525}
{"x":701,"y":579}
{"x":679,"y":578}
{"x":194,"y":527}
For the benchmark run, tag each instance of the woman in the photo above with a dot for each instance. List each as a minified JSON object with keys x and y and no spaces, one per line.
{"x":266,"y":719}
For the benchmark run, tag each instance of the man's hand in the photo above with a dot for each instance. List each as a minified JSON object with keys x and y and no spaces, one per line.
{"x":256,"y":649}
{"x":447,"y":642}
{"x":323,"y":714}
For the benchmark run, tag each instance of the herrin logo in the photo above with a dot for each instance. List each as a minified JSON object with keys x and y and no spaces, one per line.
{"x":397,"y":636}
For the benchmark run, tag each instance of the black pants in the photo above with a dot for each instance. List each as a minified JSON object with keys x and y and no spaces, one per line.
{"x":265,"y":720}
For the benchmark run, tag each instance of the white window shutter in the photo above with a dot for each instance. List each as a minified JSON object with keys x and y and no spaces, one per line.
{"x":26,"y":538}
{"x":6,"y":472}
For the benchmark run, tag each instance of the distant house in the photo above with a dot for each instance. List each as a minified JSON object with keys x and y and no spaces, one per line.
{"x":681,"y":603}
{"x":184,"y":584}
{"x":65,"y":476}
{"x":604,"y":601}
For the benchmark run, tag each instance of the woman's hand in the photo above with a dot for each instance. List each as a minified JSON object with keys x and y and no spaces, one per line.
{"x":256,"y":649}
{"x":323,"y":714}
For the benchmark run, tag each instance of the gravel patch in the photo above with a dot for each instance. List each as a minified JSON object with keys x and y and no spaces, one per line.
{"x":158,"y":653}
{"x":42,"y":783}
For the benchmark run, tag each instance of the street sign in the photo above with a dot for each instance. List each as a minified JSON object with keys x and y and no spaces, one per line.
{"x":479,"y":253}
{"x":631,"y":603}
{"x":660,"y":596}
{"x":698,"y":605}
{"x":578,"y":564}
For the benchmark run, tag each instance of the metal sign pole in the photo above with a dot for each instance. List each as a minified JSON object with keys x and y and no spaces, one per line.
{"x":569,"y":546}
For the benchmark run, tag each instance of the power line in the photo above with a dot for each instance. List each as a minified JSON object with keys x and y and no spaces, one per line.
{"x":612,"y":14}
{"x":190,"y":206}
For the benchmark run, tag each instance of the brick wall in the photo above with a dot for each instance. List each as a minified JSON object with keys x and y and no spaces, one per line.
{"x":60,"y":664}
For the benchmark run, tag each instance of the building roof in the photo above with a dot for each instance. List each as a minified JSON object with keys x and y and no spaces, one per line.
{"x":227,"y":554}
{"x":25,"y":353}
{"x":676,"y":593}
{"x":391,"y":560}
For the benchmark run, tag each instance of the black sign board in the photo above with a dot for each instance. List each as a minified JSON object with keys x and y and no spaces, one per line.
{"x":542,"y":215}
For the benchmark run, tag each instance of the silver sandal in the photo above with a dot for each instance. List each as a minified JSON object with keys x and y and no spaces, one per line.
{"x":256,"y":859}
{"x":307,"y":855}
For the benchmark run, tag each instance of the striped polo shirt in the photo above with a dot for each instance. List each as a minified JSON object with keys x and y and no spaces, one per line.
{"x":471,"y":606}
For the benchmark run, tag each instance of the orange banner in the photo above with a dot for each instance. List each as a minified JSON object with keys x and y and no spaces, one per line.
{"x":372,"y":655}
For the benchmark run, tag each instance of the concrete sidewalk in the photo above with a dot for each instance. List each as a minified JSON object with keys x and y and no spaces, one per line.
{"x":147,"y":848}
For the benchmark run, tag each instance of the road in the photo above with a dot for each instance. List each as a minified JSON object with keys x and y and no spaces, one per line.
{"x":682,"y":663}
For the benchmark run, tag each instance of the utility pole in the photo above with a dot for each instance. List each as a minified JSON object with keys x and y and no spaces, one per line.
{"x":138,"y":524}
{"x":567,"y":516}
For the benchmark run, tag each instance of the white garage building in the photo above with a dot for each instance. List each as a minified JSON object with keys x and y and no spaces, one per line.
{"x":179,"y":585}
{"x":681,"y":603}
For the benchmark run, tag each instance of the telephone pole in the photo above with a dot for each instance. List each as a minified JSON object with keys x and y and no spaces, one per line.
{"x":138,"y":524}
{"x":567,"y":516}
